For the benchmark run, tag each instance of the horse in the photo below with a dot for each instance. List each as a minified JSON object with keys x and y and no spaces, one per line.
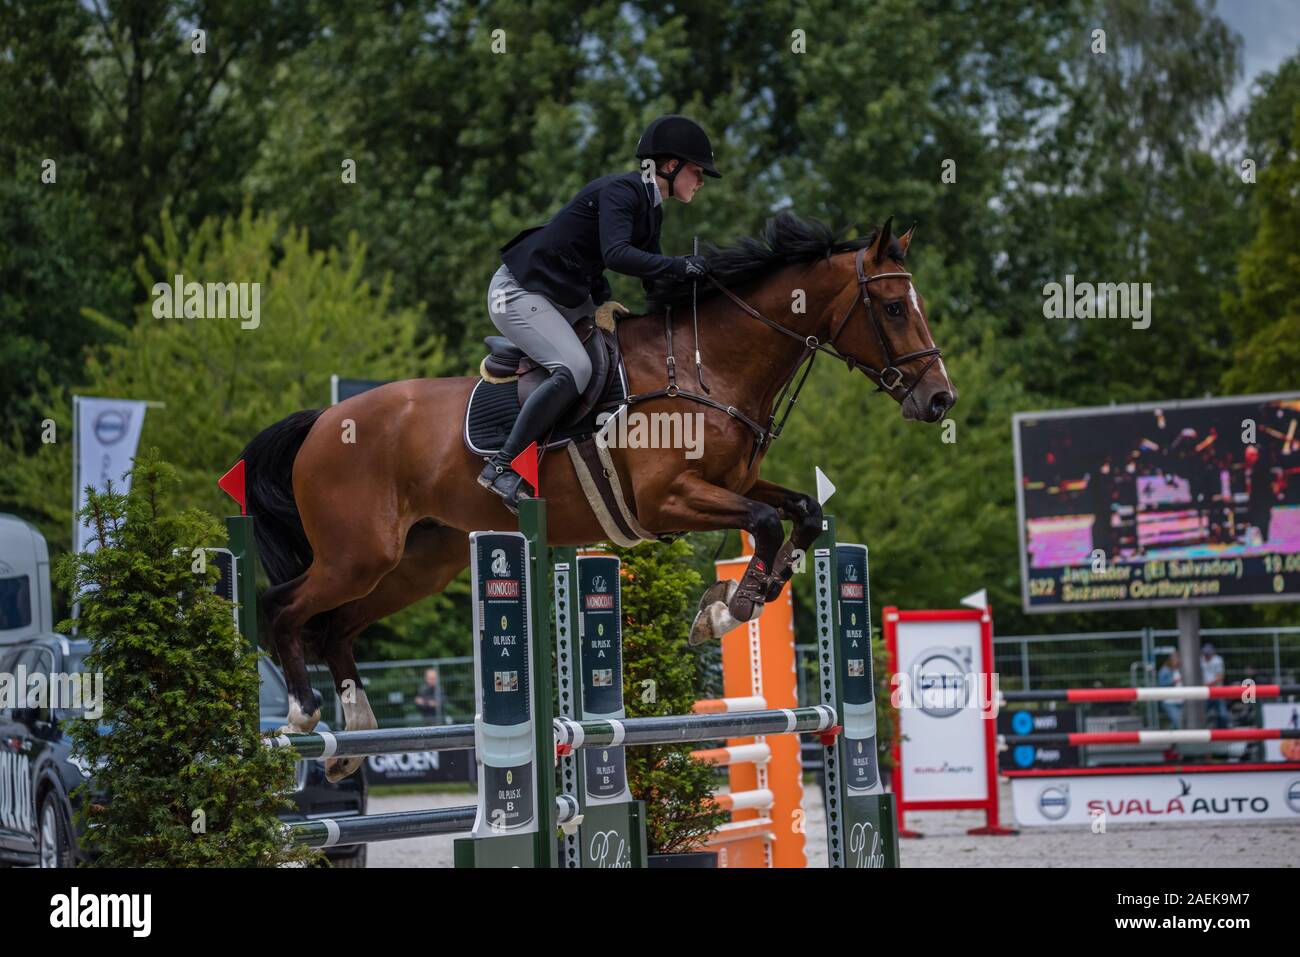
{"x":366,"y":507}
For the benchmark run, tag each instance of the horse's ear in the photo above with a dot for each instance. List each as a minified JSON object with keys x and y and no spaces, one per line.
{"x":905,"y":240}
{"x":881,"y":245}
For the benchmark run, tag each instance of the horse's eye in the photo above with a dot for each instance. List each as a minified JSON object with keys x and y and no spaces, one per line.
{"x":894,"y":309}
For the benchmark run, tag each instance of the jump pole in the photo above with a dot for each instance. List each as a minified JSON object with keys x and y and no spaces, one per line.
{"x":861,"y":821}
{"x":860,"y":818}
{"x":589,"y":684}
{"x":515,"y":821}
{"x":513,"y":824}
{"x":347,"y":744}
{"x":1172,"y":693}
{"x":1074,"y":739}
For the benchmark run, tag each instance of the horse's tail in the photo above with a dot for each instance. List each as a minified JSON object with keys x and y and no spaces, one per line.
{"x":268,"y":459}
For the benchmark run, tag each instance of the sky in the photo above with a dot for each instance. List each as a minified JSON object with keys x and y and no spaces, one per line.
{"x":1271,"y":31}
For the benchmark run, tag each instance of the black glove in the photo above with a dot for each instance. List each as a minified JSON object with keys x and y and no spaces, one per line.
{"x":693,"y":266}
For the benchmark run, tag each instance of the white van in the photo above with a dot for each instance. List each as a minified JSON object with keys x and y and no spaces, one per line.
{"x":24,"y":582}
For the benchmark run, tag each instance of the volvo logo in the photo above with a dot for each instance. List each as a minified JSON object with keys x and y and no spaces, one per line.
{"x":1054,"y":801}
{"x":940,"y":680}
{"x":111,"y":427}
{"x":1293,"y":795}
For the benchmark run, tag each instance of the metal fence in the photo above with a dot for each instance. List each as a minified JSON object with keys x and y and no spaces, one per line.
{"x":393,"y":686}
{"x":1130,"y":659}
{"x":1031,"y":662}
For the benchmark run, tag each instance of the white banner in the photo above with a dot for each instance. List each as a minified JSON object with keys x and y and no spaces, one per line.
{"x":943,"y":753}
{"x":1164,"y":798}
{"x":106,"y":433}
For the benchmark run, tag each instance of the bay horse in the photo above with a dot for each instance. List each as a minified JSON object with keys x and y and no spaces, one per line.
{"x":366,"y":507}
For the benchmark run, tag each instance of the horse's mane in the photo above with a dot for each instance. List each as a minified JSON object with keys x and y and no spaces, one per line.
{"x":785,"y":239}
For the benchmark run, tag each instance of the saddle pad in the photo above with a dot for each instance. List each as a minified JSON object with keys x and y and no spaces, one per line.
{"x":494,"y":406}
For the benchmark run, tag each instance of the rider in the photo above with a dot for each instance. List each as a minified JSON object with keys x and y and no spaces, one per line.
{"x":553,"y":275}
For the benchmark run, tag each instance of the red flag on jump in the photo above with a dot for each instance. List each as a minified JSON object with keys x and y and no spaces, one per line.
{"x":525,"y":464}
{"x":232,"y":483}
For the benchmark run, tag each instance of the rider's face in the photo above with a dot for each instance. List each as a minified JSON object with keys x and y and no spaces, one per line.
{"x":690,"y":179}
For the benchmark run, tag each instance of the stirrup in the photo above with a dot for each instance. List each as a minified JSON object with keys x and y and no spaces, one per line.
{"x":505,"y":482}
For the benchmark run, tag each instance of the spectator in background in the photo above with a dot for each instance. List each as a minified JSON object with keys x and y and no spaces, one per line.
{"x":1169,"y":676}
{"x":1212,"y":673}
{"x":429,"y":701}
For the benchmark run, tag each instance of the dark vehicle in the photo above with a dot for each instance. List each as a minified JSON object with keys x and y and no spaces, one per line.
{"x":39,"y":774}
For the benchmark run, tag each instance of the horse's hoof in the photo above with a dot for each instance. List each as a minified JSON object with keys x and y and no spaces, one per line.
{"x":336,"y":769}
{"x":299,"y":720}
{"x":713,"y":620}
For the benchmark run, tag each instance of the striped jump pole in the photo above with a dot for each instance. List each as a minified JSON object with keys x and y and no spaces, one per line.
{"x":757,"y":800}
{"x":330,"y":744}
{"x":729,"y":705}
{"x":734,"y":754}
{"x":402,"y":825}
{"x":369,"y":828}
{"x":1173,"y":693}
{"x":1198,"y":736}
{"x":675,"y":729}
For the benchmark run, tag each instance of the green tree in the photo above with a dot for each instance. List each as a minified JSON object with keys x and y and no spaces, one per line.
{"x":1264,"y":306}
{"x":182,"y":775}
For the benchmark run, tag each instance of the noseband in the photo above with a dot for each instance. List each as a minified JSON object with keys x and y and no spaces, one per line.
{"x":812,"y":346}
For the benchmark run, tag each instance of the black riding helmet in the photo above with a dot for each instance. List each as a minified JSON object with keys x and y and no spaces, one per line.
{"x":680,"y":138}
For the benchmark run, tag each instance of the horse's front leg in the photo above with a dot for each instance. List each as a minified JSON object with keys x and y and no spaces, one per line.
{"x":806,"y":514}
{"x":693,"y":504}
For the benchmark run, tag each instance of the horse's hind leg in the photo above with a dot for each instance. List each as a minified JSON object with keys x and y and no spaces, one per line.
{"x":434,"y":556}
{"x":304,"y":701}
{"x":335,"y":577}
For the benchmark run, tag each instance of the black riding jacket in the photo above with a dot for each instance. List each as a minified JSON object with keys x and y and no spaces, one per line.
{"x":612,"y":223}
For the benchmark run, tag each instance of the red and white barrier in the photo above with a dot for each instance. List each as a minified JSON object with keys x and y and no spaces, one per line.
{"x":727,"y":705}
{"x":1174,"y":693}
{"x":1075,"y":739}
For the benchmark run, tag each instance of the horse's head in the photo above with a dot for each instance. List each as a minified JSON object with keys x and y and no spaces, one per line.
{"x":880,"y":326}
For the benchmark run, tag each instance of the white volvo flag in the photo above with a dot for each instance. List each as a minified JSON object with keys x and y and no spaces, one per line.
{"x":106,"y":433}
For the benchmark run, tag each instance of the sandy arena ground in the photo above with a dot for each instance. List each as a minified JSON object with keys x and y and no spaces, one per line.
{"x":946,"y":843}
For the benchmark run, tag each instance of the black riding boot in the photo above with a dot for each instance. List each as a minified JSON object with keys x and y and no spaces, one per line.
{"x":543,"y":408}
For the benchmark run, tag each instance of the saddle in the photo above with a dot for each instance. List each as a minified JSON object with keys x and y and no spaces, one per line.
{"x":509,"y":377}
{"x":506,"y":361}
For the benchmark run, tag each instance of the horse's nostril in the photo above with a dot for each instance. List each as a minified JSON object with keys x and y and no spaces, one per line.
{"x":940,"y":404}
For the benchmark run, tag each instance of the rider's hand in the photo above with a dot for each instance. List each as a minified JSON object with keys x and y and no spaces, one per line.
{"x":693,"y":267}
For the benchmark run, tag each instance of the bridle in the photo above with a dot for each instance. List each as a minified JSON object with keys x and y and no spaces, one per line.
{"x":882,"y":376}
{"x":892,"y":362}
